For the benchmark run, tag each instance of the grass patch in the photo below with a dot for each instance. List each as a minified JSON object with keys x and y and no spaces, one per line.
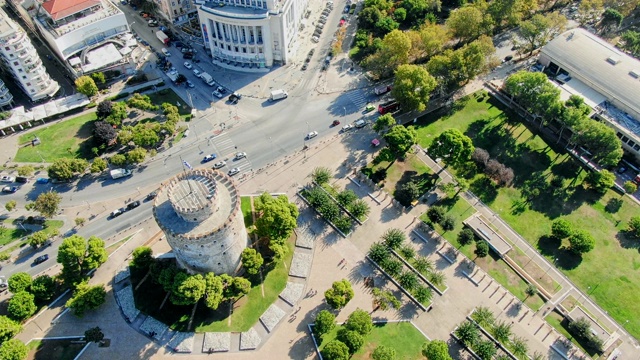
{"x":402,"y":336}
{"x":54,"y":349}
{"x":113,"y":247}
{"x":612,"y":267}
{"x":67,"y":139}
{"x":9,"y":235}
{"x":247,"y":213}
{"x":169,"y":96}
{"x":559,"y":323}
{"x":392,"y":175}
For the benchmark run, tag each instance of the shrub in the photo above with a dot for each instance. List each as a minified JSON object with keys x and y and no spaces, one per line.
{"x":321,"y":175}
{"x":343,"y":223}
{"x":378,"y":253}
{"x":21,"y":306}
{"x":360,"y":322}
{"x":325,"y":322}
{"x":561,"y":229}
{"x":19,"y":281}
{"x":393,"y":267}
{"x":436,"y":213}
{"x":352,"y":339}
{"x":335,"y":350}
{"x":346,"y":198}
{"x":43,"y":287}
{"x":360,"y":209}
{"x":480,"y":156}
{"x":393,"y":238}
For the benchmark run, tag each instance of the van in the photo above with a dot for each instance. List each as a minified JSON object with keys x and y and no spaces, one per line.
{"x":165,"y":52}
{"x":22,"y":179}
{"x":388,"y":107}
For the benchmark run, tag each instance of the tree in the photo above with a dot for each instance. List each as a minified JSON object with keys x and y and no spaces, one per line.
{"x":80,"y":221}
{"x":407,"y":193}
{"x":385,"y":299}
{"x":483,"y":316}
{"x":325,"y":322}
{"x":436,"y":350}
{"x":384,"y":122}
{"x":321,"y":175}
{"x":428,"y":40}
{"x":118,"y":113}
{"x":94,"y":335}
{"x":480,"y":156}
{"x":98,"y":77}
{"x":561,"y":228}
{"x":412,"y":86}
{"x":13,"y":349}
{"x":78,"y":257}
{"x":20,"y":281}
{"x":589,"y":9}
{"x":485,"y":349}
{"x":391,"y":266}
{"x":601,"y":141}
{"x":47,"y":203}
{"x":339,"y":294}
{"x":448,"y":222}
{"x":98,"y":165}
{"x":10,"y":205}
{"x":104,"y":109}
{"x":630,"y":187}
{"x":452,"y":146}
{"x":276,"y":218}
{"x":467,"y":332}
{"x":214,"y":291}
{"x":510,"y":12}
{"x":136,"y":156}
{"x":423,"y":264}
{"x":65,"y":169}
{"x":394,"y":51}
{"x":142,"y":258}
{"x":360,"y":209}
{"x":540,"y":29}
{"x":346,"y":197}
{"x":187,"y":289}
{"x":384,"y":353}
{"x":634,"y":226}
{"x":468,"y":23}
{"x":611,"y":19}
{"x":251,"y":261}
{"x":85,"y":85}
{"x":104,"y":133}
{"x":581,"y":242}
{"x":436,"y":213}
{"x":601,"y":181}
{"x":531,"y":290}
{"x":465,"y":237}
{"x":25,"y":170}
{"x":533,"y":91}
{"x":85,"y":298}
{"x":8,"y":328}
{"x":38,"y":238}
{"x":352,"y":339}
{"x":423,"y":294}
{"x":482,"y":249}
{"x":631,"y":42}
{"x":400,"y":139}
{"x":21,"y":306}
{"x":394,"y":238}
{"x":519,"y":347}
{"x":502,"y":332}
{"x":236,"y":288}
{"x":335,"y":350}
{"x":360,"y":322}
{"x":118,"y":160}
{"x":379,"y":253}
{"x":43,"y":287}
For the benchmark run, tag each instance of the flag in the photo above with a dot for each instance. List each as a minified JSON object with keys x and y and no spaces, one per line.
{"x":187,"y":165}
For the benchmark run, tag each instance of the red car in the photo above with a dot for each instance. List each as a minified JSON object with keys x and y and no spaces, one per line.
{"x":335,"y":123}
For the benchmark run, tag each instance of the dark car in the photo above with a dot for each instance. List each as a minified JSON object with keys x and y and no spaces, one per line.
{"x":9,"y":189}
{"x":22,"y":179}
{"x":234,"y":98}
{"x":335,"y":123}
{"x":508,"y":58}
{"x":132,"y":205}
{"x":187,"y":56}
{"x":40,"y":259}
{"x":208,"y":158}
{"x":178,"y":44}
{"x":152,"y":195}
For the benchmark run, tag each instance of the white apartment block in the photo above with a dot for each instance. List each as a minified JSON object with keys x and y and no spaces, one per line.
{"x":176,"y":11}
{"x":20,"y":60}
{"x":251,"y":35}
{"x":6,"y":99}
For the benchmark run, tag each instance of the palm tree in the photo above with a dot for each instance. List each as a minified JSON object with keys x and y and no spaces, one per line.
{"x":519,"y":347}
{"x":531,"y":290}
{"x":484,"y":317}
{"x":502,"y":332}
{"x":393,"y":238}
{"x":422,"y":264}
{"x":437,"y":278}
{"x":467,"y":333}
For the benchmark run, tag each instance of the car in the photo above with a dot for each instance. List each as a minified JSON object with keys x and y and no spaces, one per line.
{"x":342,"y":21}
{"x":196,"y":72}
{"x":153,"y":23}
{"x":187,"y":50}
{"x":7,"y":179}
{"x":9,"y":189}
{"x":322,"y":21}
{"x":190,"y":84}
{"x":369,"y":108}
{"x":116,"y":213}
{"x":178,"y":44}
{"x":622,"y":170}
{"x":360,"y":124}
{"x":217,"y":94}
{"x":240,"y":155}
{"x":132,"y":205}
{"x":219,"y":164}
{"x":144,"y":14}
{"x":165,"y":52}
{"x":346,"y":9}
{"x":221,"y":90}
{"x":22,"y":179}
{"x":144,"y":42}
{"x":233,"y":171}
{"x":152,"y":195}
{"x":312,"y":134}
{"x":507,"y":58}
{"x":42,"y":180}
{"x":208,"y":158}
{"x":234,"y":98}
{"x":315,"y":39}
{"x":304,"y":66}
{"x":320,"y":26}
{"x":347,"y":127}
{"x":335,"y":123}
{"x":187,"y":56}
{"x":40,"y":259}
{"x":188,"y":65}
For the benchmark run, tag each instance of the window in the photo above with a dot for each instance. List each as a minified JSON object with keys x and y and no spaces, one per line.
{"x":631,"y":143}
{"x":16,"y":63}
{"x":636,"y":147}
{"x":7,"y":48}
{"x":28,"y":84}
{"x":235,"y":48}
{"x":625,"y":139}
{"x":244,"y":50}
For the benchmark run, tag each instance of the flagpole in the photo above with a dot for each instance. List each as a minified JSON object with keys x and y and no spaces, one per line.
{"x":184,"y":163}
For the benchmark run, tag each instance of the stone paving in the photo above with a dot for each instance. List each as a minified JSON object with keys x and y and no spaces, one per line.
{"x":182,"y":342}
{"x":154,"y":328}
{"x":250,"y":340}
{"x":216,"y":342}
{"x":272,"y":317}
{"x":292,"y":293}
{"x":127,"y":303}
{"x":122,"y":274}
{"x":300,"y":265}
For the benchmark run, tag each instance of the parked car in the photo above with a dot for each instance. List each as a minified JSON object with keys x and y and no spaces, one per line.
{"x":315,"y":39}
{"x":217,"y":94}
{"x":312,"y":134}
{"x":116,"y":213}
{"x":234,"y":98}
{"x":188,"y":56}
{"x":22,"y":179}
{"x":132,"y":205}
{"x":240,"y":155}
{"x":152,"y":195}
{"x":208,"y":158}
{"x":304,"y":66}
{"x":219,"y":164}
{"x":196,"y":72}
{"x":9,"y":189}
{"x":221,"y":90}
{"x":40,"y":259}
{"x":42,"y":180}
{"x":7,"y":179}
{"x":233,"y":171}
{"x":347,"y":127}
{"x":188,"y":65}
{"x":190,"y":84}
{"x":153,"y":23}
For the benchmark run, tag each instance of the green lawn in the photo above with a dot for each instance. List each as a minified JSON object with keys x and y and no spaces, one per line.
{"x":245,"y":206}
{"x":403,"y":337}
{"x":169,"y":96}
{"x":612,"y":269}
{"x":558,"y":322}
{"x":66,"y":139}
{"x":400,"y":172}
{"x":8,"y":235}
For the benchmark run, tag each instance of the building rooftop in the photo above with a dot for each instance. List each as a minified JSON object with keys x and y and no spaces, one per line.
{"x":59,"y":9}
{"x":234,"y":12}
{"x":602,"y":66}
{"x":7,"y":27}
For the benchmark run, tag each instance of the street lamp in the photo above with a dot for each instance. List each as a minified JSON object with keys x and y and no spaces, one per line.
{"x":345,"y":110}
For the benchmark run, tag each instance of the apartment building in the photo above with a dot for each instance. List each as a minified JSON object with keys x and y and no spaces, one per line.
{"x":177,"y":11}
{"x":6,"y":99}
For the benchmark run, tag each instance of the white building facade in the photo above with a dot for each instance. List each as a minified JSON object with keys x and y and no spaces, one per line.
{"x":20,"y":60}
{"x":251,"y":35}
{"x":6,"y":99}
{"x":177,"y":11}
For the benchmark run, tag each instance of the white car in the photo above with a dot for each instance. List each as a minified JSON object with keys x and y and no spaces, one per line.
{"x":188,"y":65}
{"x":315,"y":39}
{"x":240,"y":155}
{"x":196,"y":72}
{"x":233,"y":171}
{"x":312,"y":134}
{"x":7,"y":179}
{"x":217,"y":94}
{"x":347,"y":127}
{"x":190,"y":84}
{"x":219,"y":164}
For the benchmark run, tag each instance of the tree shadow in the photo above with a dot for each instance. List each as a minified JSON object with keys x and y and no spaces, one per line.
{"x":628,"y":241}
{"x":85,"y":133}
{"x":549,"y":245}
{"x":613,"y":205}
{"x":485,"y":189}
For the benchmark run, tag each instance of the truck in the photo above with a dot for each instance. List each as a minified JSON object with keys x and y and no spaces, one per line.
{"x":120,"y":173}
{"x":278,"y":94}
{"x":382,"y":89}
{"x":162,"y":37}
{"x":207,"y":79}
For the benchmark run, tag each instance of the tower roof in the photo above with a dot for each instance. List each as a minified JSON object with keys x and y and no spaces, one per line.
{"x":59,"y":9}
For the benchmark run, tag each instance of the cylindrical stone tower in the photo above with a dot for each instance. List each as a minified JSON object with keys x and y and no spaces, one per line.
{"x":199,"y":212}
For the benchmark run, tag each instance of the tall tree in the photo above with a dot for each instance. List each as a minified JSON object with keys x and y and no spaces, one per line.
{"x":13,"y":349}
{"x":468,"y":22}
{"x":468,"y":333}
{"x":187,"y":289}
{"x":325,"y":322}
{"x":581,"y":242}
{"x":436,"y":350}
{"x":251,"y":261}
{"x":79,"y":256}
{"x":601,"y":141}
{"x":384,"y":353}
{"x":276,"y":219}
{"x":105,"y":133}
{"x":533,"y":91}
{"x":213,"y":294}
{"x":412,"y":87}
{"x":631,"y":42}
{"x":85,"y":298}
{"x":19,"y":281}
{"x":360,"y":322}
{"x":400,"y":139}
{"x":452,"y":146}
{"x":104,"y":109}
{"x":65,"y":169}
{"x":393,"y":53}
{"x":589,"y":9}
{"x":8,"y":328}
{"x":335,"y":350}
{"x":429,"y":39}
{"x":85,"y":85}
{"x":611,"y":19}
{"x":21,"y":306}
{"x":384,"y":122}
{"x":540,"y":29}
{"x":47,"y":204}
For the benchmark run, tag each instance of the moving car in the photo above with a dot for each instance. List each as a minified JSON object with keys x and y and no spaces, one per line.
{"x":190,"y":84}
{"x":7,"y":179}
{"x":188,"y":65}
{"x":153,"y":23}
{"x":217,"y":94}
{"x":188,"y":56}
{"x":209,"y":158}
{"x":196,"y":72}
{"x":369,"y":108}
{"x":312,"y":134}
{"x":347,"y":127}
{"x":240,"y":155}
{"x":116,"y":213}
{"x":233,"y":171}
{"x":152,"y":195}
{"x":9,"y":189}
{"x":335,"y":123}
{"x":219,"y":164}
{"x":40,"y":259}
{"x":132,"y":205}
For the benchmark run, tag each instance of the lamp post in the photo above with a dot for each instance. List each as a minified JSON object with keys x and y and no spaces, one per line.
{"x":344,"y":108}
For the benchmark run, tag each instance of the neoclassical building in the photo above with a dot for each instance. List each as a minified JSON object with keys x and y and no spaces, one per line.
{"x":251,"y":35}
{"x":199,"y":212}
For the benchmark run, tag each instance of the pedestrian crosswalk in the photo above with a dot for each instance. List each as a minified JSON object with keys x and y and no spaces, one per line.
{"x":226,"y":149}
{"x":358,"y":98}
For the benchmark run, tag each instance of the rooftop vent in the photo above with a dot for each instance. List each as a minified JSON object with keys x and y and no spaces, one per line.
{"x":635,"y":73}
{"x":613,"y":60}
